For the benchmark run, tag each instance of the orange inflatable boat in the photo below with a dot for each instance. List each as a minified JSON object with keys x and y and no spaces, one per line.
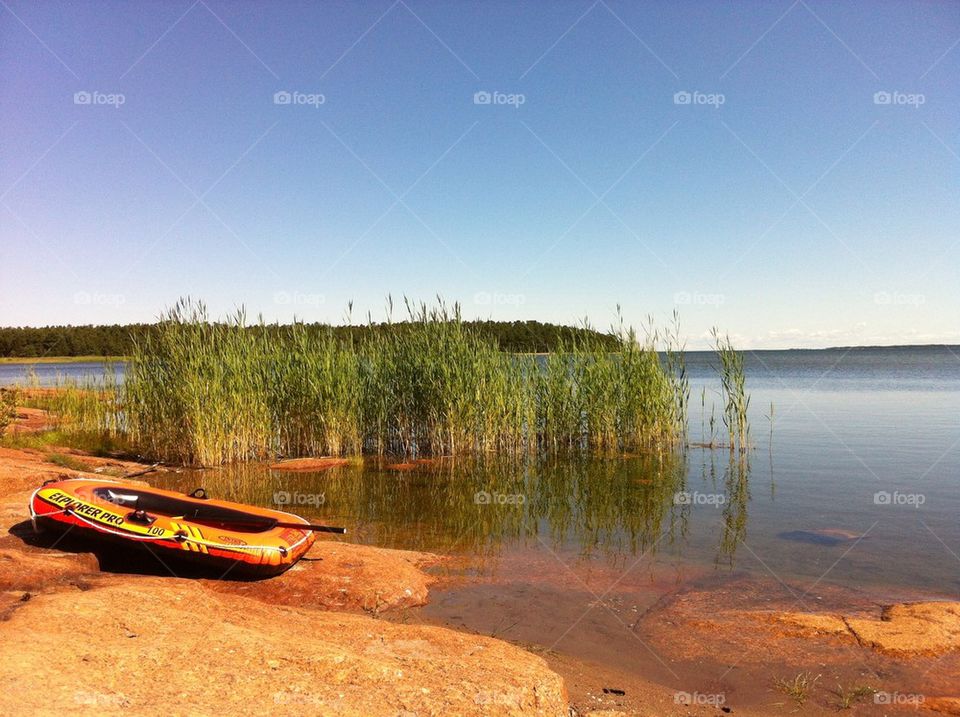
{"x":239,"y":540}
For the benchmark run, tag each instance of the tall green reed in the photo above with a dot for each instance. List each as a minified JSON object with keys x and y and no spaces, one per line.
{"x":736,"y":400}
{"x":199,"y":391}
{"x":8,"y":407}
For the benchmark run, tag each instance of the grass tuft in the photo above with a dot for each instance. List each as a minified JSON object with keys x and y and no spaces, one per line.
{"x":798,"y":688}
{"x":71,"y":462}
{"x":847,"y":698}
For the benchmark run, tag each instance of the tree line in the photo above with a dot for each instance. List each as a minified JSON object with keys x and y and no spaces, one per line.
{"x":117,"y":340}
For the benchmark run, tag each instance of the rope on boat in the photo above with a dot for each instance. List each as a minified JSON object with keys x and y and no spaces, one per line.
{"x":105,"y":529}
{"x":228,"y":546}
{"x":33,"y":515}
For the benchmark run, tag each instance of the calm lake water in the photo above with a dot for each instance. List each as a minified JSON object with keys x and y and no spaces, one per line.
{"x":50,"y":374}
{"x":864,"y":442}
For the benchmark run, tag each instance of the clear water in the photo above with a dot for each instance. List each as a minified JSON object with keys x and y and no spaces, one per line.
{"x":50,"y":374}
{"x":864,"y":442}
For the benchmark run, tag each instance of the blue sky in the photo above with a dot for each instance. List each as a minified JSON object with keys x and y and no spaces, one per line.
{"x":732,"y":161}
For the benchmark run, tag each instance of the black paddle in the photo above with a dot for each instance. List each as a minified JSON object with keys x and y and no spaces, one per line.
{"x":314,"y":528}
{"x":262,"y":524}
{"x":259,"y":526}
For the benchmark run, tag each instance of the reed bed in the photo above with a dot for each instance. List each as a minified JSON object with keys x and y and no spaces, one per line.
{"x":205,"y":392}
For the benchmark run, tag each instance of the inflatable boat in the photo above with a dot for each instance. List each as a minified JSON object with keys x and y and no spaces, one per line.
{"x":234,"y":539}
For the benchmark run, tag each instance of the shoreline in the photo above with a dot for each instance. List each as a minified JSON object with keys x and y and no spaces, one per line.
{"x":31,"y":360}
{"x":708,"y":351}
{"x":651,"y":638}
{"x":725,"y":636}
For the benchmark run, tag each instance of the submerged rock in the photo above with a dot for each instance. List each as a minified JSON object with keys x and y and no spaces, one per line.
{"x":308,"y":464}
{"x":825,"y":536}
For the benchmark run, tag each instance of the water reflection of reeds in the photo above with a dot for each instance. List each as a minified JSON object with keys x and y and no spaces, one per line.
{"x":603,"y":508}
{"x":737,"y":489}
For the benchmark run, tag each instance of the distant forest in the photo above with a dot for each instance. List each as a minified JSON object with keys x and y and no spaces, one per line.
{"x":117,"y":340}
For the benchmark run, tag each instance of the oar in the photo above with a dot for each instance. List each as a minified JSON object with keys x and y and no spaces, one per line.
{"x":314,"y":528}
{"x":151,"y":469}
{"x":262,"y":525}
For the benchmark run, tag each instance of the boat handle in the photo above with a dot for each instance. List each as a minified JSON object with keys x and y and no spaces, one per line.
{"x":141,"y":517}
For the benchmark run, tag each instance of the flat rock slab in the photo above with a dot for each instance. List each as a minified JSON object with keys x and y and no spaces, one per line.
{"x":804,"y":624}
{"x":155,"y":646}
{"x":912,"y":628}
{"x":923,"y":628}
{"x":37,"y":569}
{"x":344,"y":576}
